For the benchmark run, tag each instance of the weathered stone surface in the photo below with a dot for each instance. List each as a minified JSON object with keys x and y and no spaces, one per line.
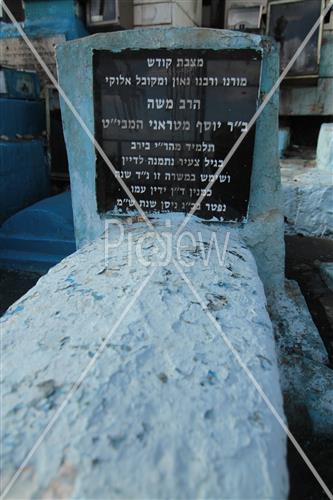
{"x":309,"y":398}
{"x":307,"y":197}
{"x":166,"y":411}
{"x":295,"y":330}
{"x":284,"y":140}
{"x":325,"y":147}
{"x":306,"y":379}
{"x":326,"y":271}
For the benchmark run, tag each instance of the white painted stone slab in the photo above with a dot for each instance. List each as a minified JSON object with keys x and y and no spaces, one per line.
{"x":326,"y":271}
{"x":295,"y":330}
{"x":325,"y":147}
{"x":166,"y":411}
{"x":307,"y":198}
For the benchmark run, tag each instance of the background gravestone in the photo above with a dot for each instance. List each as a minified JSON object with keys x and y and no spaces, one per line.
{"x":117,"y":113}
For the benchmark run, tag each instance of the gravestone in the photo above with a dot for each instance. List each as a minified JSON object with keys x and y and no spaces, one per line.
{"x":166,"y":106}
{"x":169,"y":371}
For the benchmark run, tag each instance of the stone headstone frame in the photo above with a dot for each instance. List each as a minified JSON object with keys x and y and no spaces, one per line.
{"x":253,"y":193}
{"x":167,"y":119}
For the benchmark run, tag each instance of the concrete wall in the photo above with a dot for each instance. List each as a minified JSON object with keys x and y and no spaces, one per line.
{"x":316,"y":99}
{"x":167,"y":13}
{"x":242,"y":3}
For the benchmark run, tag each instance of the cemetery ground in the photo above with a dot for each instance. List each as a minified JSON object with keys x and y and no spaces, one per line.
{"x":303,"y":258}
{"x":14,"y":284}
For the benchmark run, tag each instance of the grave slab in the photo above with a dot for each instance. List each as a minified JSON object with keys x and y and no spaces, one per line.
{"x":305,"y":375}
{"x":325,"y":147}
{"x":326,"y":271}
{"x":307,"y":194}
{"x":166,"y":411}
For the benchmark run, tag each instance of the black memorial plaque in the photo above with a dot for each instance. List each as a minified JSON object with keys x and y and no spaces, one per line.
{"x":167,"y":119}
